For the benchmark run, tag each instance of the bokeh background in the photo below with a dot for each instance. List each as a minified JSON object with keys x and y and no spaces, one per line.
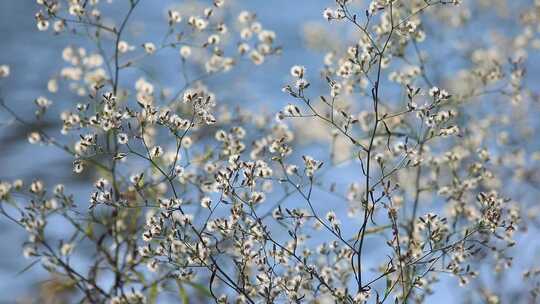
{"x":305,"y":36}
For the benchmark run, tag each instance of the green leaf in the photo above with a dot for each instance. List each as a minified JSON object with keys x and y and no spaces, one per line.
{"x":140,"y":276}
{"x":201,"y":289}
{"x":90,"y":230}
{"x":152,"y":298}
{"x":182,"y":292}
{"x":388,"y":288}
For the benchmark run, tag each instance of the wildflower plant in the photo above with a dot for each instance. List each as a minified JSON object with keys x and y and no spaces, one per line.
{"x":191,"y":199}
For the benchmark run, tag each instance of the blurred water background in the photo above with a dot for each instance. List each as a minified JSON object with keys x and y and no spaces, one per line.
{"x":34,"y":56}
